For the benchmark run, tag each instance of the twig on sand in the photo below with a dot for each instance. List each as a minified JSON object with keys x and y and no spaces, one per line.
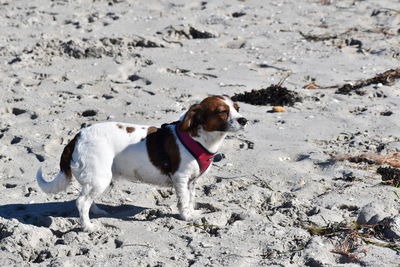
{"x":385,"y":78}
{"x":233,"y":177}
{"x":200,"y":225}
{"x":286,"y":75}
{"x":263,"y":182}
{"x":396,"y":11}
{"x":396,"y":192}
{"x":350,"y":243}
{"x":393,"y":246}
{"x":136,"y":244}
{"x":390,"y":175}
{"x":324,"y":37}
{"x":313,"y":85}
{"x":172,"y":42}
{"x":392,"y":159}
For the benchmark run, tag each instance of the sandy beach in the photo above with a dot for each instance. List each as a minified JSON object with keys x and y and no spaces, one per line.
{"x":314,"y":185}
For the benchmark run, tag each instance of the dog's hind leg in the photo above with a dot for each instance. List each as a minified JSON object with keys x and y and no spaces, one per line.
{"x":83,"y":204}
{"x":95,"y":178}
{"x":85,"y":201}
{"x":91,"y":166}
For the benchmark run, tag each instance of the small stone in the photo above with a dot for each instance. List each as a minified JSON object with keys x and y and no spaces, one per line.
{"x":18,"y":111}
{"x":278,"y":109}
{"x":118,"y":243}
{"x":107,"y":97}
{"x":16,"y":140}
{"x":14,"y":60}
{"x":238,"y":14}
{"x":34,"y":116}
{"x":218,"y":157}
{"x":8,"y":186}
{"x":39,"y":157}
{"x":89,"y":113}
{"x":386,"y":113}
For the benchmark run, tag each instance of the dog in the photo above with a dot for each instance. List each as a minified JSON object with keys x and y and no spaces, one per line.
{"x":176,"y":154}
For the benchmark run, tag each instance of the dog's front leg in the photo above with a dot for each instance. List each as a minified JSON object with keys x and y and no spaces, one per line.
{"x":192,"y":194}
{"x":183,"y":195}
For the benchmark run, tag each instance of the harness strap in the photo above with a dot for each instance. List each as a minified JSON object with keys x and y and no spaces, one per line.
{"x":203,"y":157}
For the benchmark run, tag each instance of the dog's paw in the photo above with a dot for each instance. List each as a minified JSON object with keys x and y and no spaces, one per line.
{"x":190,"y":215}
{"x":89,"y":227}
{"x":186,"y":215}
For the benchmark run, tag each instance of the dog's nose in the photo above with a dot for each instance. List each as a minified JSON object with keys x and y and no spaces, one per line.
{"x":242,"y":121}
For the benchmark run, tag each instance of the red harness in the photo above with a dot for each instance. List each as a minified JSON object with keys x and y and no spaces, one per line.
{"x":202,"y":155}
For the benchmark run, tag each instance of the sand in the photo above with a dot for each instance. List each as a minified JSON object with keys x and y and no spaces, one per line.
{"x":69,"y":64}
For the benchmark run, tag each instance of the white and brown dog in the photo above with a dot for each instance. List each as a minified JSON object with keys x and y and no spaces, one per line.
{"x":174,"y":155}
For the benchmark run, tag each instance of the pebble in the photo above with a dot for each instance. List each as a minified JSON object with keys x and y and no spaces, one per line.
{"x":16,"y":140}
{"x":18,"y":111}
{"x":278,"y":109}
{"x":89,"y":113}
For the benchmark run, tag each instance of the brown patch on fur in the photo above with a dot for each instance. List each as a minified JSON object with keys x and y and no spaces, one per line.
{"x":130,"y":129}
{"x":66,"y":156}
{"x":212,"y":113}
{"x":151,"y":129}
{"x":236,"y":106}
{"x":120,"y":126}
{"x":163,"y":150}
{"x":192,"y":120}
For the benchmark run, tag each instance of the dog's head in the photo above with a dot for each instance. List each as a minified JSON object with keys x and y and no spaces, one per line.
{"x":214,"y":113}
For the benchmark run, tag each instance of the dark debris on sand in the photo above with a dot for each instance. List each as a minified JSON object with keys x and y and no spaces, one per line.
{"x":385,"y":78}
{"x":389,"y":173}
{"x":274,"y":95}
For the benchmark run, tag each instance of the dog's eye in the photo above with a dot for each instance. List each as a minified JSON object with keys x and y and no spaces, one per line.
{"x":236,"y":106}
{"x":222,"y":112}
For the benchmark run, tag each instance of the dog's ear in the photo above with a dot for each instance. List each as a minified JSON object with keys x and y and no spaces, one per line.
{"x":192,"y":120}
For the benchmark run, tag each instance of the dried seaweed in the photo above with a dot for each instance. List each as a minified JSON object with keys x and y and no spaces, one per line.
{"x":352,"y":235}
{"x":392,"y":159}
{"x":385,"y":78}
{"x":274,"y":95}
{"x":390,"y":175}
{"x":349,"y":245}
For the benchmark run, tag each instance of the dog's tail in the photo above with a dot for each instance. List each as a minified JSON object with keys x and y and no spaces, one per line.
{"x":64,"y":177}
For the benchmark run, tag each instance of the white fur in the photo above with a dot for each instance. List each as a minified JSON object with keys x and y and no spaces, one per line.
{"x":104,"y":150}
{"x":59,"y":183}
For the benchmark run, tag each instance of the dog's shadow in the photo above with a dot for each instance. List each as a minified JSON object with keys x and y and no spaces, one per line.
{"x":41,"y":214}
